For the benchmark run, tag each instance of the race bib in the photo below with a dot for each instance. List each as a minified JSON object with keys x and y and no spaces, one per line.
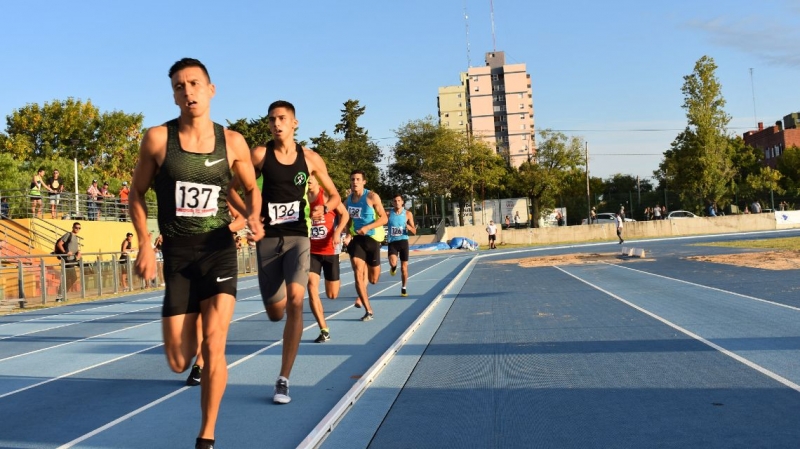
{"x":319,"y":232}
{"x":283,"y":212}
{"x":394,"y":231}
{"x":195,"y":200}
{"x":355,"y":212}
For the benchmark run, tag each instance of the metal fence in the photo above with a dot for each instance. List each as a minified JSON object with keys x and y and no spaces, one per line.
{"x":67,"y":206}
{"x":28,"y":280}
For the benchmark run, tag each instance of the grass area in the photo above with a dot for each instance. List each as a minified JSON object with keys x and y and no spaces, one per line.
{"x":787,"y":243}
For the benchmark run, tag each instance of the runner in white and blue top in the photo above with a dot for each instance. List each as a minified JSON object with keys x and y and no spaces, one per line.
{"x":401,"y":222}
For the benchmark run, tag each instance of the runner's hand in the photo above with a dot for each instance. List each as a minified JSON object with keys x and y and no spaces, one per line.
{"x":255,"y":229}
{"x":146,"y":263}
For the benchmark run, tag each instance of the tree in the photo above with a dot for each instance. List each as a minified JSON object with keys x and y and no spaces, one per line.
{"x":255,"y":131}
{"x":53,"y":134}
{"x":789,"y":167}
{"x":421,"y":154}
{"x":700,"y":163}
{"x":354,"y":151}
{"x":556,"y":159}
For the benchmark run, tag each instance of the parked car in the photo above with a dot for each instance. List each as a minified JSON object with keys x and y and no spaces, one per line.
{"x":607,"y":217}
{"x":680,"y":214}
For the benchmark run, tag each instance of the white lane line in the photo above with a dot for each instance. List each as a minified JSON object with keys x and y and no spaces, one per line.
{"x":99,"y":335}
{"x":335,"y":415}
{"x":707,"y":287}
{"x":77,"y":322}
{"x":182,"y":389}
{"x":80,"y":310}
{"x":691,"y":334}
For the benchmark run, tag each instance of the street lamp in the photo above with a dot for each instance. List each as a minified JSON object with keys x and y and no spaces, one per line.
{"x":74,"y":143}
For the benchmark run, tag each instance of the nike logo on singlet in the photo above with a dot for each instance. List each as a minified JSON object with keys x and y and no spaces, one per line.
{"x":219,"y":279}
{"x":209,"y":164}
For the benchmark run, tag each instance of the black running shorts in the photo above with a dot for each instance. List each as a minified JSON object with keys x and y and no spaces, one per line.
{"x":196,"y":268}
{"x":399,"y":248}
{"x":365,"y":248}
{"x":328,"y":264}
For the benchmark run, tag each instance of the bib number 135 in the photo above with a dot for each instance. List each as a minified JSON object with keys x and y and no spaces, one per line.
{"x":195,"y":200}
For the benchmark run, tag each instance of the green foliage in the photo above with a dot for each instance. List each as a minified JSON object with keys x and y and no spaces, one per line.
{"x":789,"y":167}
{"x":255,"y":132}
{"x":54,"y":134}
{"x":543,"y":179}
{"x":699,"y":163}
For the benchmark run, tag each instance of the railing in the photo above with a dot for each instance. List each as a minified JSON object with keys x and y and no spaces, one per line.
{"x":18,"y":205}
{"x":29,"y":279}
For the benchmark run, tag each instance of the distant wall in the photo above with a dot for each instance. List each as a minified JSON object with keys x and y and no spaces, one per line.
{"x":632,"y":230}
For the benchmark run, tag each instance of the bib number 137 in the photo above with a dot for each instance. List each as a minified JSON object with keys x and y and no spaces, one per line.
{"x":195,"y":200}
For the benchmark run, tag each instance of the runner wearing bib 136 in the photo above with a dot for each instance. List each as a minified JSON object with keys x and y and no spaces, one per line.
{"x":283,"y":254}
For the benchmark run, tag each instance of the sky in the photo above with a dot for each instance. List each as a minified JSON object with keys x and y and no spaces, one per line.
{"x":609,"y":72}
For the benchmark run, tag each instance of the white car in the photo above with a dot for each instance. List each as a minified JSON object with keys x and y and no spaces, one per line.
{"x":680,"y":214}
{"x":607,"y":217}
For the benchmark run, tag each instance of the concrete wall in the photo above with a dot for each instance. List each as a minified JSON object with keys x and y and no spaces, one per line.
{"x":631,"y":230}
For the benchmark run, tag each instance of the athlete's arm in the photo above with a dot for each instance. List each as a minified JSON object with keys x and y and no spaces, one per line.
{"x":234,"y":199}
{"x":381,"y":218}
{"x":151,"y":154}
{"x":242,"y":167}
{"x":344,"y":219}
{"x":316,"y":165}
{"x":412,"y":228}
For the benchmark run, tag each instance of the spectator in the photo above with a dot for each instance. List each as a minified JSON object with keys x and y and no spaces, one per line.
{"x":517,"y":220}
{"x":69,"y":248}
{"x":593,"y":216}
{"x":123,"y":201}
{"x":755,"y":207}
{"x":559,"y":218}
{"x":124,"y":259}
{"x":508,"y":222}
{"x":746,"y":209}
{"x":37,"y":183}
{"x":657,"y":212}
{"x":4,"y":208}
{"x":491,"y":229}
{"x":647,"y":213}
{"x":55,"y":187}
{"x":92,"y":203}
{"x":622,"y":212}
{"x":104,"y":193}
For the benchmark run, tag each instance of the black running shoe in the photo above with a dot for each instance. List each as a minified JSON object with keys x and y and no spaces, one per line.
{"x":367,"y":317}
{"x":323,"y":337}
{"x":393,"y":271}
{"x":201,"y":443}
{"x":403,"y":292}
{"x":194,"y":377}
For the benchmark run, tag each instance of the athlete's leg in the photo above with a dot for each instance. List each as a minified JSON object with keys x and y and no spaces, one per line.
{"x":293,"y":330}
{"x":332,"y":288}
{"x":314,"y":301}
{"x":217,"y":312}
{"x":404,"y":272}
{"x":360,"y":275}
{"x":180,"y":340}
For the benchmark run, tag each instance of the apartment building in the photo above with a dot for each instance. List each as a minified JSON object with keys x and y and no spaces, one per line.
{"x":499,"y":107}
{"x":774,"y":140}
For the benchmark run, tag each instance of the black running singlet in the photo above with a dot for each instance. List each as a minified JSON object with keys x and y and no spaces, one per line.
{"x":284,"y":198}
{"x":191,"y":188}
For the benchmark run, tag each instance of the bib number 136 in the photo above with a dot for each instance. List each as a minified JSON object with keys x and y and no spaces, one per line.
{"x":195,"y":200}
{"x":283,"y":212}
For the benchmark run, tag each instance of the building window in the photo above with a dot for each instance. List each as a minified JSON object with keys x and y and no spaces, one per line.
{"x":446,"y":123}
{"x":460,"y":113}
{"x":460,"y":105}
{"x":524,"y":137}
{"x":447,"y":114}
{"x":475,"y":78}
{"x":520,"y":95}
{"x":477,"y":88}
{"x":459,"y":95}
{"x":522,"y":106}
{"x":495,"y":77}
{"x":522,"y":126}
{"x":522,"y":116}
{"x":461,"y":122}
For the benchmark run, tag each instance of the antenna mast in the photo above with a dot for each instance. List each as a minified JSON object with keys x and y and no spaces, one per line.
{"x":466,"y":24}
{"x":752,"y":87}
{"x":494,"y":43}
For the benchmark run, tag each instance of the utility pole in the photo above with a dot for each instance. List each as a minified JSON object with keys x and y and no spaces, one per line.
{"x":588,"y":193}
